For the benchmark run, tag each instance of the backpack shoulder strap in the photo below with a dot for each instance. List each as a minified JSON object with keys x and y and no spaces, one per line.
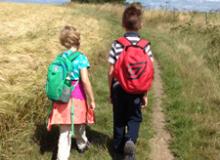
{"x":124,"y":41}
{"x":143,"y":43}
{"x":74,"y":55}
{"x":69,"y":57}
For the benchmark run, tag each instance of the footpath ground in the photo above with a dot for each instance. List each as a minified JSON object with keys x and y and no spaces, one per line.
{"x":160,"y":141}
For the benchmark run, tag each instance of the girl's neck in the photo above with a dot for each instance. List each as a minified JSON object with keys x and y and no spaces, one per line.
{"x":73,"y":49}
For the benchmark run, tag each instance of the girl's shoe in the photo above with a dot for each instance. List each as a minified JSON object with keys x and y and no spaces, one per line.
{"x":88,"y":145}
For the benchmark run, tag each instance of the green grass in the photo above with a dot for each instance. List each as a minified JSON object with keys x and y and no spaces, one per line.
{"x":187,"y":54}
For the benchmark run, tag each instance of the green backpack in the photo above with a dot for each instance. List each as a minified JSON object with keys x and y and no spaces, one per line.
{"x":58,"y":85}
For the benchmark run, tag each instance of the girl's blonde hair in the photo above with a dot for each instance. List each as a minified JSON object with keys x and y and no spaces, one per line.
{"x":70,"y":37}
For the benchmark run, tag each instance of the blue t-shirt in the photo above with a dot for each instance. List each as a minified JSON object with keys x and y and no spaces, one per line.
{"x":79,"y":63}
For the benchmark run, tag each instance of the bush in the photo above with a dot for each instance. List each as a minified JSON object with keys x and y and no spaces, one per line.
{"x":99,"y":1}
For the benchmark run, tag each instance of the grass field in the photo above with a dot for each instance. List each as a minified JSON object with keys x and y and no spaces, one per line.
{"x":29,"y":41}
{"x":187,"y":48}
{"x":186,"y":45}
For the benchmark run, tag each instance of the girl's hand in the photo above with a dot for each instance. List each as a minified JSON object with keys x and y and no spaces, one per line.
{"x":92,"y":105}
{"x":87,"y":87}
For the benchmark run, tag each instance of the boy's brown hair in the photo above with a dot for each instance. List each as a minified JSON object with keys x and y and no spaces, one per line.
{"x":69,"y":37}
{"x":132,"y":17}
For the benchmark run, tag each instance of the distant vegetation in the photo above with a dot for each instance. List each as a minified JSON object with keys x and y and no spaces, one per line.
{"x":99,"y":1}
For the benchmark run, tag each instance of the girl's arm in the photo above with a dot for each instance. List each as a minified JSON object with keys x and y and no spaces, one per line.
{"x":87,"y":86}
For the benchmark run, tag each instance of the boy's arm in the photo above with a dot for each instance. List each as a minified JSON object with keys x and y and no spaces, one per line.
{"x":110,"y":76}
{"x":150,"y":54}
{"x":144,"y":101}
{"x":87,"y":86}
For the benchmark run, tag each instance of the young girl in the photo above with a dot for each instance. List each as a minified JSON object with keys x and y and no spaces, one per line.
{"x":127,"y":114}
{"x":61,"y":112}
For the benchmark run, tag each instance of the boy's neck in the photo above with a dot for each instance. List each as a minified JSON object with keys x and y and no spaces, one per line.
{"x":131,"y":34}
{"x":131,"y":31}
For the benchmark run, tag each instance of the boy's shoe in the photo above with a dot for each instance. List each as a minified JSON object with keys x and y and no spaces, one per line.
{"x":117,"y":156}
{"x":129,"y":150}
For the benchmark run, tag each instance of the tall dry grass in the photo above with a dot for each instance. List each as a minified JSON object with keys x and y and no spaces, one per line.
{"x":28,"y":43}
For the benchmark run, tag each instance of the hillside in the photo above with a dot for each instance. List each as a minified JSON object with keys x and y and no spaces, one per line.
{"x":186,"y":46}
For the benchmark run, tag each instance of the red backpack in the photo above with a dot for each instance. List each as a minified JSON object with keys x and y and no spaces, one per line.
{"x":134,"y":69}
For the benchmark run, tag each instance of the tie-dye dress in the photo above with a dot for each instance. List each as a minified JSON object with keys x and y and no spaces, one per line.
{"x":61,"y":112}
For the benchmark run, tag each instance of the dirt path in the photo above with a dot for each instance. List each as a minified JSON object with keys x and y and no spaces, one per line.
{"x":160,"y":142}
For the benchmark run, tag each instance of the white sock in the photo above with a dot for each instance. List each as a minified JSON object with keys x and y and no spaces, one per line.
{"x":64,"y":144}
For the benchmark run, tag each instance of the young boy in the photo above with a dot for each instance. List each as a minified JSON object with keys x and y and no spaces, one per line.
{"x":127,"y":114}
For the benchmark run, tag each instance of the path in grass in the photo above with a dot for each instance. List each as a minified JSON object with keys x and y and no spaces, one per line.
{"x":160,"y":141}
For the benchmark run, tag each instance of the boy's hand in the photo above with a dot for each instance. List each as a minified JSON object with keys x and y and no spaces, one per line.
{"x":92,"y":105}
{"x":144,"y":101}
{"x":110,"y":99}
